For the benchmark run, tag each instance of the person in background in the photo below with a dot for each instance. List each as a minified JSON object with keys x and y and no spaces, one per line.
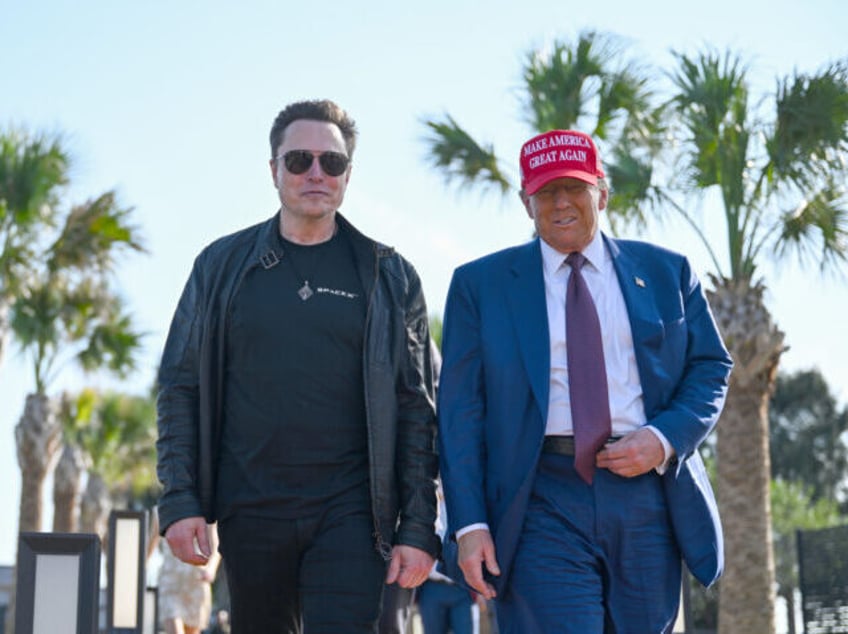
{"x":295,"y":403}
{"x":184,"y":591}
{"x":444,"y":605}
{"x":580,"y":374}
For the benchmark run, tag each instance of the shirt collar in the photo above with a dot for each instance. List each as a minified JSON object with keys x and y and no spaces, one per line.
{"x":594,"y":252}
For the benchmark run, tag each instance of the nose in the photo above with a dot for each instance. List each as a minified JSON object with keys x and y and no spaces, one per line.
{"x":315,"y":172}
{"x":561,"y":197}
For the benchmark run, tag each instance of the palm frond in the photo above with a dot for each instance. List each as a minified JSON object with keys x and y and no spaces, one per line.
{"x":633,"y":193}
{"x":817,"y":229}
{"x":92,"y":235}
{"x":121,"y":441}
{"x":32,"y":169}
{"x":113,"y":344}
{"x":76,"y":412}
{"x":116,"y":434}
{"x":461,"y":159}
{"x":57,"y":320}
{"x":810,"y":133}
{"x":712,"y":102}
{"x":626,"y":96}
{"x":35,"y":317}
{"x":567,"y":85}
{"x":555,"y":81}
{"x":36,"y":325}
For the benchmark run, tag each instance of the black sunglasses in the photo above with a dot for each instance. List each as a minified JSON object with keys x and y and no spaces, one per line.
{"x":299,"y":161}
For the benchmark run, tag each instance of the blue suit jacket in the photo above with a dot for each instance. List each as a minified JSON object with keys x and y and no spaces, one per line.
{"x":494,"y":385}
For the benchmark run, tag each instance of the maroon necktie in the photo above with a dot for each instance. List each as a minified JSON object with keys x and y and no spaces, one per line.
{"x":587,"y":376}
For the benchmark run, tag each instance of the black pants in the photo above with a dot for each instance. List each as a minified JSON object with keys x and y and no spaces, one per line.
{"x":314,"y":575}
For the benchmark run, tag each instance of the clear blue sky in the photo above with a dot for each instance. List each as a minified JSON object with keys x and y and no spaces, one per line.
{"x":170,"y":104}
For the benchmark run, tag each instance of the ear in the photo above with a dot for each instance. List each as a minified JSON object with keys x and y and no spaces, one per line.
{"x":273,"y":165}
{"x":603,"y":198}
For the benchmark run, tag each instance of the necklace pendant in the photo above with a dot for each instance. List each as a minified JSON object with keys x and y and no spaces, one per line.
{"x":305,"y":292}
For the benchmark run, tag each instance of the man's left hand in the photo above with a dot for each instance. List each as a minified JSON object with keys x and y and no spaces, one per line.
{"x":632,"y":455}
{"x":409,"y":566}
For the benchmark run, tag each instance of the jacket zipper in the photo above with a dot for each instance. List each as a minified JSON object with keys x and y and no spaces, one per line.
{"x":384,"y":549}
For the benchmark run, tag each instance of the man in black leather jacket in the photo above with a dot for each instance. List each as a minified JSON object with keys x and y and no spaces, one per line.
{"x":296,"y":403}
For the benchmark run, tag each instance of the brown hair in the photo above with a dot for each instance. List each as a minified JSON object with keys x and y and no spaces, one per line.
{"x":314,"y":110}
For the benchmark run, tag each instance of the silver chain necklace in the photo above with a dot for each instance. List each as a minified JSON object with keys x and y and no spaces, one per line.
{"x":304,"y":292}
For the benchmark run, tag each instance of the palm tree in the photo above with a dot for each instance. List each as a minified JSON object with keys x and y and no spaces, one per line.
{"x":33,"y":170}
{"x":75,"y":413}
{"x":120,"y":441}
{"x":65,"y":312}
{"x":67,"y":488}
{"x":115,"y":436}
{"x":779,"y":182}
{"x":780,"y":185}
{"x":68,"y":313}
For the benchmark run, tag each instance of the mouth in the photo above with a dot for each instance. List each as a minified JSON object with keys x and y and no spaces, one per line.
{"x":565,"y":222}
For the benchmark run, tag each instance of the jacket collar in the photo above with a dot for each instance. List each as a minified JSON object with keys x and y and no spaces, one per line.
{"x":267,"y":251}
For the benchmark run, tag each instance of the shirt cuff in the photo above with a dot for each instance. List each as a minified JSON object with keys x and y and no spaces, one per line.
{"x":668,"y":450}
{"x":471,"y":527}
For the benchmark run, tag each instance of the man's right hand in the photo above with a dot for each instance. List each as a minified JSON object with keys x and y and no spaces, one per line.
{"x":476,"y":549}
{"x":182,"y":536}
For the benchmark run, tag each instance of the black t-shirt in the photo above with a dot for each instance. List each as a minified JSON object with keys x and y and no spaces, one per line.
{"x":294,"y":433}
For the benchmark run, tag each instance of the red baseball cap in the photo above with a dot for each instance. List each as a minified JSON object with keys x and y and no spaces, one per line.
{"x":559,"y":154}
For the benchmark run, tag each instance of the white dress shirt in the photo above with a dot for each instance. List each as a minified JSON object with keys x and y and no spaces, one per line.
{"x":627,"y":409}
{"x":625,"y":390}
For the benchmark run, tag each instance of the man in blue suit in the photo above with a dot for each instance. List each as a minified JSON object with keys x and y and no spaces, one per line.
{"x":564,"y":542}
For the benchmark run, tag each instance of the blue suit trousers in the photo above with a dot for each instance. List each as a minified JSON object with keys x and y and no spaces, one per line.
{"x":447,"y":608}
{"x":597,"y":559}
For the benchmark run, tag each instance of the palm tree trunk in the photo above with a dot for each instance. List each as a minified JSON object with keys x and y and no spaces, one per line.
{"x":66,"y":490}
{"x":747,"y":598}
{"x":95,"y":508}
{"x":37,"y":436}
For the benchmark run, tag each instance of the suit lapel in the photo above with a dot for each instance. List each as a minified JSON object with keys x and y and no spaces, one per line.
{"x":525,"y":292}
{"x":638,"y":287}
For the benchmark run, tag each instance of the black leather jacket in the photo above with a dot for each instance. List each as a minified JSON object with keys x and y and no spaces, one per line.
{"x":397,"y":372}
